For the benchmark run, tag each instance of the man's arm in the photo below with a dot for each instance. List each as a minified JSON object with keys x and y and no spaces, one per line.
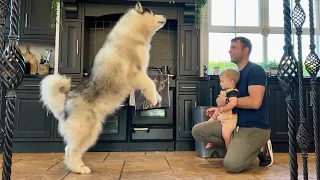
{"x":256,"y":90}
{"x":254,"y":100}
{"x":232,"y":103}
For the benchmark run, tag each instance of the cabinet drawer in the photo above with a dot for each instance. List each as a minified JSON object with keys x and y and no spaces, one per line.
{"x":188,"y":87}
{"x":152,"y":133}
{"x":30,"y":84}
{"x":35,"y":85}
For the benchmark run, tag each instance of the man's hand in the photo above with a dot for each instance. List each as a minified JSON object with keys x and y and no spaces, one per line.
{"x":221,"y":101}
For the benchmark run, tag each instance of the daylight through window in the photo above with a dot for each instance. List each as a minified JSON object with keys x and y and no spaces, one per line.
{"x":230,"y":18}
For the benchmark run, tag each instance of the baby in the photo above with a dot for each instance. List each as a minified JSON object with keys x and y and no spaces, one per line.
{"x":226,"y":114}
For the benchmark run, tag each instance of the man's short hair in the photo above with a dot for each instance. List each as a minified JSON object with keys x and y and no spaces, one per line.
{"x":245,"y":42}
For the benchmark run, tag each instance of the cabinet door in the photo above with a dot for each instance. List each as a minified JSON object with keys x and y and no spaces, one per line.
{"x":278,"y":115}
{"x":188,"y":57}
{"x":184,"y":122}
{"x":32,"y":122}
{"x":36,"y":19}
{"x":70,"y":61}
{"x":309,"y":107}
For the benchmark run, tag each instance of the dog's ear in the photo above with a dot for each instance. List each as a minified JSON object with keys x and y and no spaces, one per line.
{"x":138,"y":7}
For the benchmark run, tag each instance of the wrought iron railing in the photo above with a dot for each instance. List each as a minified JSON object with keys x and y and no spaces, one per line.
{"x":12,"y":68}
{"x":290,"y":77}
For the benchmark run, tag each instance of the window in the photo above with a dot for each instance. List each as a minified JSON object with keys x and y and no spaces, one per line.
{"x":234,"y":13}
{"x":243,"y":16}
{"x":225,"y":10}
{"x":231,"y":18}
{"x":219,"y":44}
{"x":276,"y":13}
{"x":275,"y":47}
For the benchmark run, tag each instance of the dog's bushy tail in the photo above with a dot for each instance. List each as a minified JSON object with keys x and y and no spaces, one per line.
{"x":53,"y":93}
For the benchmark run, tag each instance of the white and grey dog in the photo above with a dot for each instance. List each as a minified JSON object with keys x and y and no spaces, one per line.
{"x":119,"y":68}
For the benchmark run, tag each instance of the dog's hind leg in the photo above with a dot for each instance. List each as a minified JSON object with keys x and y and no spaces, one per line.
{"x":66,"y":155}
{"x":75,"y":135}
{"x":74,"y":155}
{"x":79,"y":144}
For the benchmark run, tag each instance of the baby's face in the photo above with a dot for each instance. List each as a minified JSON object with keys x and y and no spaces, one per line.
{"x":226,"y":83}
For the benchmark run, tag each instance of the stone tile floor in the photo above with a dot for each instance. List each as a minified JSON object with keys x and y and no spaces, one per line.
{"x":148,"y":165}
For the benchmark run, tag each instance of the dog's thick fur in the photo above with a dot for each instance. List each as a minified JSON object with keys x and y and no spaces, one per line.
{"x":119,"y":68}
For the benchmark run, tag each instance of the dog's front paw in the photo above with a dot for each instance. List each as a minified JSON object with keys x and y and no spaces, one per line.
{"x":153,"y":100}
{"x":159,"y":98}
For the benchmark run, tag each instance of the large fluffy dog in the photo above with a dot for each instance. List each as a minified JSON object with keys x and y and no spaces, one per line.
{"x":119,"y":68}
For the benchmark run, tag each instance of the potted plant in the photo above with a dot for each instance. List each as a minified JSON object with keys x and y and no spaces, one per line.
{"x":54,"y":11}
{"x":198,"y":5}
{"x":273,"y":67}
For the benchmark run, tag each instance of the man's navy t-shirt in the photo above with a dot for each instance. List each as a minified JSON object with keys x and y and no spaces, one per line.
{"x":253,"y":74}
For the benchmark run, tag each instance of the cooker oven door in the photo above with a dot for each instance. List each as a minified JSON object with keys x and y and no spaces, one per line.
{"x":155,"y":116}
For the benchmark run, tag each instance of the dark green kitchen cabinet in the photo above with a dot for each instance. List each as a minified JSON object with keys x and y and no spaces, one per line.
{"x":185,"y":123}
{"x":309,"y":106}
{"x":34,"y":22}
{"x":188,"y":57}
{"x":32,"y":122}
{"x":278,"y":115}
{"x":71,"y":48}
{"x":191,"y":92}
{"x":187,"y":98}
{"x":36,"y":19}
{"x":167,"y":1}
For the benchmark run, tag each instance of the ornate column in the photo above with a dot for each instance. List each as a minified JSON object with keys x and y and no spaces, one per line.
{"x":12,"y":70}
{"x":312,"y":64}
{"x":4,"y":11}
{"x":287,"y":75}
{"x":298,"y":19}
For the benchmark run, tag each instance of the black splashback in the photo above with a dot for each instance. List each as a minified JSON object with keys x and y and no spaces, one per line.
{"x":163,"y":45}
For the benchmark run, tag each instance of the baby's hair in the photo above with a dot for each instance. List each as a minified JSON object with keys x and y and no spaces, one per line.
{"x":231,"y":74}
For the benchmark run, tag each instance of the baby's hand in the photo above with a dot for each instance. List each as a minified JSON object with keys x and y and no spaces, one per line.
{"x":214,"y":117}
{"x":210,"y":111}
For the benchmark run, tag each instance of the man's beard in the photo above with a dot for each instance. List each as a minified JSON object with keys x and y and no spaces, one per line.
{"x":236,"y":60}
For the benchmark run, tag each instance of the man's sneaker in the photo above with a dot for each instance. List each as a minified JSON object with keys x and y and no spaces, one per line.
{"x":266,"y":157}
